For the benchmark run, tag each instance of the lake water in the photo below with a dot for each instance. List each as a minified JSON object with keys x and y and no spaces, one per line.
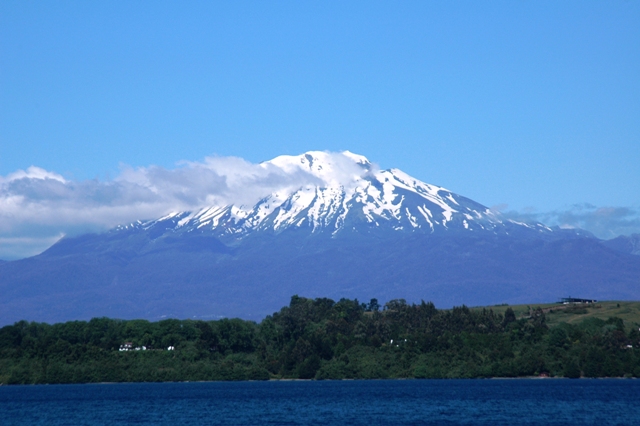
{"x":366,"y":402}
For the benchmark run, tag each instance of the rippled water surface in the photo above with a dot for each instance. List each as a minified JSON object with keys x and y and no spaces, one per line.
{"x":520,"y":402}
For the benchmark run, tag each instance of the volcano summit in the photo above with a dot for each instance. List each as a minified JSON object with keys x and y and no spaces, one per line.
{"x":346,"y":193}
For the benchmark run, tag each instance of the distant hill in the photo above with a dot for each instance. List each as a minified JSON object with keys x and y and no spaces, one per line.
{"x":624,"y":244}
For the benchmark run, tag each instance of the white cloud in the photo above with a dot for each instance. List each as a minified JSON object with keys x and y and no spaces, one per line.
{"x":32,"y":173}
{"x":37,"y":206}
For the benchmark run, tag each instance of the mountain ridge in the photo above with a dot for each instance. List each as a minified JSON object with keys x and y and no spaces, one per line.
{"x":625,"y":244}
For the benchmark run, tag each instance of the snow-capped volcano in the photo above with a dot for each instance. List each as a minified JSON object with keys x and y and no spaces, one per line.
{"x":341,"y":191}
{"x":328,"y":225}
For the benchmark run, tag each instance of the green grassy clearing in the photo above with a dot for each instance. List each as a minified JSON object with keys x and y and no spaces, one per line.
{"x":557,"y":313}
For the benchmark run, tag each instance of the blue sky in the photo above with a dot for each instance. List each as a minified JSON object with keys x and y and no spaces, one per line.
{"x":531,"y":107}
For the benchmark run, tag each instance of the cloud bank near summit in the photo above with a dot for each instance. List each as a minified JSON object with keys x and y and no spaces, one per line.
{"x":37,"y":206}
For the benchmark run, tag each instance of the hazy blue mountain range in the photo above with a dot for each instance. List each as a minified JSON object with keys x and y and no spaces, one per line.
{"x":349,"y":231}
{"x":625,"y":244}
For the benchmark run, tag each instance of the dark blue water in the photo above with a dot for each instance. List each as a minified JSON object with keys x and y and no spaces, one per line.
{"x":421,"y":402}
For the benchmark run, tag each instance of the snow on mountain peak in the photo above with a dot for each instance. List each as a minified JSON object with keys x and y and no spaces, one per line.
{"x":332,"y":192}
{"x":332,"y":169}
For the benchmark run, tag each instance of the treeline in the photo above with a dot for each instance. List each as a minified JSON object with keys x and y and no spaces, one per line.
{"x":320,"y":339}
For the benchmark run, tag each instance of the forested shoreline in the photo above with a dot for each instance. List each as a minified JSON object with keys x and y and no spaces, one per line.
{"x":320,"y":339}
